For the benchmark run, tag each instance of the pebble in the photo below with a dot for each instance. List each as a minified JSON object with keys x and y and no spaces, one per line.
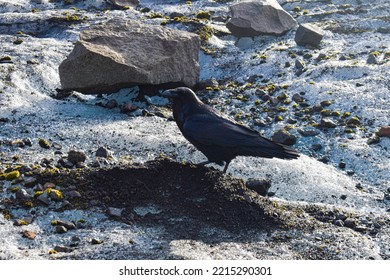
{"x":299,"y":65}
{"x":350,"y":222}
{"x":362,"y":229}
{"x":61,"y":229}
{"x":22,"y":194}
{"x":27,"y":142}
{"x":316,"y":147}
{"x":342,"y":165}
{"x":76,"y":156}
{"x":63,"y":249}
{"x":339,"y":223}
{"x":284,"y":137}
{"x":261,"y":186}
{"x":95,"y":241}
{"x":103,"y":152}
{"x":209,"y":83}
{"x":57,"y":146}
{"x":73,"y":194}
{"x":328,"y":123}
{"x":307,"y":131}
{"x":114,"y":212}
{"x":384,"y":131}
{"x":44,"y":143}
{"x":29,"y":234}
{"x":297,"y":98}
{"x":343,"y":197}
{"x":67,"y":224}
{"x":29,"y":182}
{"x":372,"y":59}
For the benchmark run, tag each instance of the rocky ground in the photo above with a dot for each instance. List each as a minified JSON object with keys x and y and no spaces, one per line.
{"x":109,"y":176}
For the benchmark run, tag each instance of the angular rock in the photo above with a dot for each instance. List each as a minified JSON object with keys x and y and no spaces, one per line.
{"x":284,"y":137}
{"x":124,"y":3}
{"x":61,"y":229}
{"x":29,"y":234}
{"x":261,"y":186}
{"x":372,"y":59}
{"x":122,"y":53}
{"x":66,"y":224}
{"x":328,"y":123}
{"x":254,"y":17}
{"x":384,"y":131}
{"x":63,"y":249}
{"x":308,"y":34}
{"x":75,"y":156}
{"x":114,"y":212}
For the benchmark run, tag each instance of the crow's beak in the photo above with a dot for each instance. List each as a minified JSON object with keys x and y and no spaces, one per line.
{"x":170,"y":93}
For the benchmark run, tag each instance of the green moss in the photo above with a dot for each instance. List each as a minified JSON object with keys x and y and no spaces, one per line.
{"x":205,"y":32}
{"x":52,"y":252}
{"x":54,"y":222}
{"x":297,"y":9}
{"x":44,"y":143}
{"x":37,"y":193}
{"x":189,"y":3}
{"x":12,"y":175}
{"x":278,"y":118}
{"x":6,"y":58}
{"x":28,"y":204}
{"x":375,"y":53}
{"x":346,"y":115}
{"x":281,"y":109}
{"x":305,"y":12}
{"x":15,"y":189}
{"x":156,"y":15}
{"x":18,"y":41}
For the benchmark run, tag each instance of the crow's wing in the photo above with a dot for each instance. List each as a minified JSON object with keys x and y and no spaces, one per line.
{"x":211,"y":129}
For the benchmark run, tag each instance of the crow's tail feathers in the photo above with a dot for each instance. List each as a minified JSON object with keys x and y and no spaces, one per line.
{"x":273,"y":151}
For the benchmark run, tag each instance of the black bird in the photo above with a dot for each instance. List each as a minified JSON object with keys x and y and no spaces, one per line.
{"x":217,"y":137}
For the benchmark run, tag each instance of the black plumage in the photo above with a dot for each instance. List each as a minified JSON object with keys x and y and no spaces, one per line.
{"x":220,"y":139}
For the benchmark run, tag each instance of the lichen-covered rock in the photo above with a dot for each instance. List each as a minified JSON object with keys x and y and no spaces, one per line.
{"x":122,"y":53}
{"x":308,"y":34}
{"x":254,"y":17}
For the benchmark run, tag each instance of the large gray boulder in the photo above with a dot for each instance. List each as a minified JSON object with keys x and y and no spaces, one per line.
{"x":254,"y":17}
{"x":122,"y":53}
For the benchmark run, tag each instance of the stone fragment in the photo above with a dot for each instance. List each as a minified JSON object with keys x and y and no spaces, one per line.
{"x":122,"y":53}
{"x":254,"y":17}
{"x":384,"y":131}
{"x":29,"y":234}
{"x":308,"y":34}
{"x":76,"y":156}
{"x":284,"y":137}
{"x":261,"y":186}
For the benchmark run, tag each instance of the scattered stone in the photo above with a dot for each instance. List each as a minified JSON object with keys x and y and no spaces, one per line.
{"x":128,"y":108}
{"x":299,"y":64}
{"x":6,"y":59}
{"x":261,"y":186}
{"x":95,"y":241}
{"x":57,"y":146}
{"x":343,"y":197}
{"x":29,"y":182}
{"x":316,"y":147}
{"x":350,"y":172}
{"x":63,"y":249}
{"x":114,"y":212}
{"x":297,"y":98}
{"x":309,"y":131}
{"x":73,"y":194}
{"x":121,"y":53}
{"x":255,"y":17}
{"x":56,"y":195}
{"x":284,"y":137}
{"x":75,"y":238}
{"x":339,"y":223}
{"x":361,"y":229}
{"x":372,"y":59}
{"x":205,"y":84}
{"x":350,"y":222}
{"x":103,"y":152}
{"x":342,"y":165}
{"x":359,"y":186}
{"x":11,"y":175}
{"x":20,"y":222}
{"x":176,"y":15}
{"x":44,"y":198}
{"x":67,"y":224}
{"x":65,"y":163}
{"x":384,"y":131}
{"x":61,"y":229}
{"x":353,"y":121}
{"x":111,"y":104}
{"x":373,"y":140}
{"x":22,"y":194}
{"x":29,"y":234}
{"x":328,"y":123}
{"x":308,"y":34}
{"x":44,"y":143}
{"x":81,"y":164}
{"x":76,"y":156}
{"x":49,"y":185}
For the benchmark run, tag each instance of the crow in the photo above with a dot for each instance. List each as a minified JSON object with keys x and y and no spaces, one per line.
{"x":219,"y":138}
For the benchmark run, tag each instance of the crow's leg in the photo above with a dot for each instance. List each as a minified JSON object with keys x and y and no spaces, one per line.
{"x":226,"y":166}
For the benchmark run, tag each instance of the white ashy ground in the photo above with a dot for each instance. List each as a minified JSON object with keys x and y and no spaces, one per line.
{"x":25,"y":91}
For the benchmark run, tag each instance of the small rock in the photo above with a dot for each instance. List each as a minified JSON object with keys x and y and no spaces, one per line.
{"x":80,"y":164}
{"x":67,"y":224}
{"x":65,"y":163}
{"x":359,"y":186}
{"x":128,"y":108}
{"x":61,"y":229}
{"x":73,"y":194}
{"x":57,"y":146}
{"x":95,"y":241}
{"x":350,"y":222}
{"x":384,"y":131}
{"x":299,"y":64}
{"x":29,"y":234}
{"x":343,"y":197}
{"x":49,"y":185}
{"x":342,"y":165}
{"x":63,"y":249}
{"x":284,"y":137}
{"x":75,"y":238}
{"x":176,"y":15}
{"x":297,"y":98}
{"x":372,"y":59}
{"x":44,"y":143}
{"x":339,"y":223}
{"x":316,"y":147}
{"x":350,"y":172}
{"x":29,"y":182}
{"x":103,"y":152}
{"x":76,"y":156}
{"x":261,"y":186}
{"x":56,"y":195}
{"x":308,"y":34}
{"x":328,"y":123}
{"x":209,"y":83}
{"x":114,"y":212}
{"x":27,"y":142}
{"x":111,"y":104}
{"x":20,"y":222}
{"x":309,"y":131}
{"x":373,"y":140}
{"x":362,"y":229}
{"x":22,"y":194}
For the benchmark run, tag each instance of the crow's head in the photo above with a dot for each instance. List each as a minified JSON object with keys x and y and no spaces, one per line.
{"x":184,"y":94}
